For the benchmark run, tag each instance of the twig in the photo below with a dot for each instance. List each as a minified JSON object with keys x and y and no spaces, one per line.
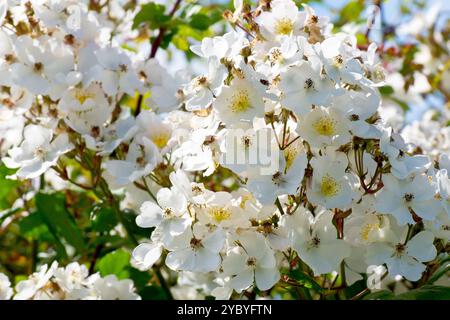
{"x":95,"y":256}
{"x":154,"y":49}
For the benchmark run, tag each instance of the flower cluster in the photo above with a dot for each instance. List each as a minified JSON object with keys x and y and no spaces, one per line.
{"x":346,"y":193}
{"x":70,"y":283}
{"x":274,"y":160}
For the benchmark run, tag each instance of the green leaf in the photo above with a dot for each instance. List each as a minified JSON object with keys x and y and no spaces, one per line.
{"x":379,"y":295}
{"x":304,"y":280}
{"x":7,"y":188}
{"x":355,"y":288}
{"x":351,"y":12}
{"x":153,"y":14}
{"x":200,"y":21}
{"x":104,"y":220}
{"x":52,"y":210}
{"x":140,"y":278}
{"x":153,"y":293}
{"x":116,"y":262}
{"x":34,"y":228}
{"x":443,"y":269}
{"x":427,"y":292}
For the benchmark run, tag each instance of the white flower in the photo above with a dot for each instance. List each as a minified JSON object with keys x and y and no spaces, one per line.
{"x":279,"y":58}
{"x":331,"y":186}
{"x":323,"y":127}
{"x":169,"y":215}
{"x":221,"y":210}
{"x":196,"y":251}
{"x":202,"y":89}
{"x":228,"y":45}
{"x":74,"y":280}
{"x":166,"y":93}
{"x":251,"y":261}
{"x":338,"y":57}
{"x":365,"y":225}
{"x":315,"y":240}
{"x":243,"y":99}
{"x":440,"y":227}
{"x":116,"y":72}
{"x":266,"y":186}
{"x":248,"y":149}
{"x":109,"y":138}
{"x":302,"y":87}
{"x":154,"y":128}
{"x":111,"y":288}
{"x":402,"y":197}
{"x":56,"y":13}
{"x":39,"y":67}
{"x":6,"y":291}
{"x":38,"y":152}
{"x":34,"y":287}
{"x":3,"y":10}
{"x":404,"y":259}
{"x":141,"y":159}
{"x":402,"y":164}
{"x":283,"y":19}
{"x":357,"y":107}
{"x":194,"y":192}
{"x":7,"y":57}
{"x":443,"y":183}
{"x":146,"y":254}
{"x":80,"y":100}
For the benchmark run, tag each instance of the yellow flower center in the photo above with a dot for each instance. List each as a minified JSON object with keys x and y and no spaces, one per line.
{"x":365,"y":230}
{"x":82,"y":96}
{"x":284,"y":26}
{"x":160,"y":139}
{"x":219,"y":214}
{"x":325,"y":126}
{"x":240,"y":102}
{"x":290,"y":154}
{"x":329,"y":187}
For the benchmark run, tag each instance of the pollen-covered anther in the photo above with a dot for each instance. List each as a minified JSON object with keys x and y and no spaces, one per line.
{"x":329,"y":186}
{"x":284,"y":26}
{"x":240,"y":102}
{"x":325,"y":126}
